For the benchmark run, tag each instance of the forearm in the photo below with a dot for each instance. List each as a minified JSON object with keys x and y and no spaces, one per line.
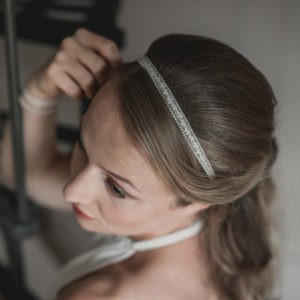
{"x":47,"y":170}
{"x":39,"y":137}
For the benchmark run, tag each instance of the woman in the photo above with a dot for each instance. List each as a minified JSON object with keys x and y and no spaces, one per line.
{"x":138,"y":172}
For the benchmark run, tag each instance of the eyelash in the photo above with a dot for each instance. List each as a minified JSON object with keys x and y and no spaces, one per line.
{"x":114,"y":189}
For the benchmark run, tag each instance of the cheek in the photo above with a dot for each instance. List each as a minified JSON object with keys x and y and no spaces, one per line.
{"x":133,"y":214}
{"x":118,"y":214}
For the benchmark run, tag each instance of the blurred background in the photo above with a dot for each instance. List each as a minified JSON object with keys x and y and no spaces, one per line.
{"x":267,"y":32}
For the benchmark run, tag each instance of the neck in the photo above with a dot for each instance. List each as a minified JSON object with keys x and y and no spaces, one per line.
{"x":165,"y":229}
{"x":171,"y":254}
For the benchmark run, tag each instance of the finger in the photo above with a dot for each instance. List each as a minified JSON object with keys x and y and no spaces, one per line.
{"x":89,"y":59}
{"x":96,"y":65}
{"x":68,"y":85}
{"x":100,"y":44}
{"x":83,"y":77}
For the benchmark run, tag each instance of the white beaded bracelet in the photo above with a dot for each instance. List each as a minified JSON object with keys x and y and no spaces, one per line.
{"x":36,"y":105}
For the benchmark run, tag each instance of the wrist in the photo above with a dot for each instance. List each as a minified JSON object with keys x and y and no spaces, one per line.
{"x":36,"y":87}
{"x":37,"y":105}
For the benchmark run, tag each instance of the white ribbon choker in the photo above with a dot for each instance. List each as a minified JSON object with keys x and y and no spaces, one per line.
{"x":113,"y":249}
{"x":177,"y":114}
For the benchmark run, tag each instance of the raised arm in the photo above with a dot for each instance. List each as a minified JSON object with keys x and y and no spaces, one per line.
{"x":78,"y":68}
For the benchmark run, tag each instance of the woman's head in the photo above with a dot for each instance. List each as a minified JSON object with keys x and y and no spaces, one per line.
{"x":141,"y":209}
{"x":228,"y":103}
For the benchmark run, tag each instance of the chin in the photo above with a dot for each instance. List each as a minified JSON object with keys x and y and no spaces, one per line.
{"x":87,"y":225}
{"x":91,"y":226}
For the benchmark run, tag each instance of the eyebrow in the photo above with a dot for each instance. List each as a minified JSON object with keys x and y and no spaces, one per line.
{"x":108,"y":171}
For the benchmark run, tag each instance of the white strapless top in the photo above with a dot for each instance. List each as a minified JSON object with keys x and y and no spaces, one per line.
{"x":114,"y":249}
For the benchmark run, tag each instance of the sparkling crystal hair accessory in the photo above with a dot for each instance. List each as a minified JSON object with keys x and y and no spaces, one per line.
{"x":177,"y":114}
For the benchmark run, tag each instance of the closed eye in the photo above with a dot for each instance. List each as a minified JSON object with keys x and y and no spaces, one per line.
{"x":115,"y":189}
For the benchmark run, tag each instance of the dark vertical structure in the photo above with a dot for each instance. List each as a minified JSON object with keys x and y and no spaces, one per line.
{"x":47,"y":22}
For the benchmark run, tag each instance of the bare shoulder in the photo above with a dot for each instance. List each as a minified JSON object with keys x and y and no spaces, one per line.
{"x":166,"y":281}
{"x":101,"y":285}
{"x":153,"y":282}
{"x":112,"y":285}
{"x":127,"y":292}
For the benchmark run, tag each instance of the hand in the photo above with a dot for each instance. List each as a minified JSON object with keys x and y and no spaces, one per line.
{"x":80,"y":65}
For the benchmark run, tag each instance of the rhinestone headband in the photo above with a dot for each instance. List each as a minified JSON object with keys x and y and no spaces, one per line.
{"x":178,"y":115}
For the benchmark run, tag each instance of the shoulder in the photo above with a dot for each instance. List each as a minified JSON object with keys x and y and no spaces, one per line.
{"x":146,"y":288}
{"x":123,"y":283}
{"x":100,"y":285}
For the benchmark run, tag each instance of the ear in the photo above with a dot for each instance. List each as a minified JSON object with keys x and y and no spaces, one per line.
{"x":194,"y":208}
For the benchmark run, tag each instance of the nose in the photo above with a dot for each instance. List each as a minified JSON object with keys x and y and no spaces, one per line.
{"x":83,"y":187}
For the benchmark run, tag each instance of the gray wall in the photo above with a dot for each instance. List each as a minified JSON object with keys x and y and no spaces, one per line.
{"x":268,"y":33}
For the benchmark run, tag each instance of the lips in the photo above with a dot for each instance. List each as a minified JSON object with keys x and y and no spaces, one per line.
{"x":79,"y":213}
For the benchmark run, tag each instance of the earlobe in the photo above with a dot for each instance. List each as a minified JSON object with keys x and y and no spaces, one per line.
{"x":196,"y":207}
{"x":190,"y":208}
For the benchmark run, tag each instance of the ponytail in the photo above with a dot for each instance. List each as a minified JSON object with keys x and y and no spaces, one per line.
{"x":239,"y":246}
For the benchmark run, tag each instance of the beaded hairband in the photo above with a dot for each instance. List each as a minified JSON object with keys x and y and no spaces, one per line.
{"x":178,"y":115}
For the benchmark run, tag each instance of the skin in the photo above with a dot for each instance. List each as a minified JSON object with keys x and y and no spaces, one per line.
{"x":84,"y":180}
{"x":147,"y":210}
